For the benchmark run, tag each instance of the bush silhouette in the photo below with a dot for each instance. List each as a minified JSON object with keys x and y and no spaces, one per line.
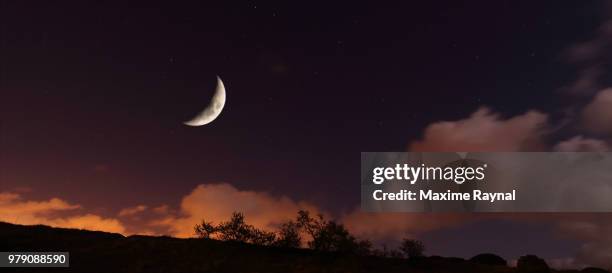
{"x":261,"y":237}
{"x":236,"y":230}
{"x":289,"y":235}
{"x":330,"y":236}
{"x":532,"y":264}
{"x":594,"y":270}
{"x":326,"y":236}
{"x":489,"y":259}
{"x":387,"y":253}
{"x":205,"y":229}
{"x":412,"y":248}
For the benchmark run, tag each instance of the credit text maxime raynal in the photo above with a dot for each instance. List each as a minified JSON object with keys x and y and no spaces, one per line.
{"x":478,"y":195}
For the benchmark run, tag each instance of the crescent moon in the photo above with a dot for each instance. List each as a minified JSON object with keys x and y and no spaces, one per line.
{"x":214,"y":108}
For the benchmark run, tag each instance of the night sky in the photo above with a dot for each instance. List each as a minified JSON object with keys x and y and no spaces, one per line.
{"x":93,"y":96}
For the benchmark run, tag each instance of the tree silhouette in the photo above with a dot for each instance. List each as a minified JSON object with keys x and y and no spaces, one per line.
{"x":236,"y":230}
{"x":205,"y":229}
{"x":261,"y":237}
{"x":330,"y":236}
{"x":325,"y":235}
{"x":412,"y":248}
{"x":289,"y":235}
{"x":309,"y":224}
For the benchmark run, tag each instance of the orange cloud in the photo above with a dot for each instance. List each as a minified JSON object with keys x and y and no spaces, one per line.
{"x":14,"y":209}
{"x":89,"y":222}
{"x":131,"y":211}
{"x":12,"y":205}
{"x":216,"y":202}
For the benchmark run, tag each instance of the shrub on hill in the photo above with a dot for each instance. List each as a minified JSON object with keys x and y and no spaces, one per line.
{"x":489,"y":259}
{"x":594,"y":270}
{"x":326,"y":235}
{"x":532,"y":264}
{"x":412,"y":248}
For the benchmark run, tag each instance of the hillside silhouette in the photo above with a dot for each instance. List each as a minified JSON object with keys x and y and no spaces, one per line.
{"x":93,"y":251}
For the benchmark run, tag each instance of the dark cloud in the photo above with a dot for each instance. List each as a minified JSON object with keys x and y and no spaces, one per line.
{"x":597,"y":115}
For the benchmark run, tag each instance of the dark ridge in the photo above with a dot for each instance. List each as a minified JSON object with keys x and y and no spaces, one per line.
{"x":93,"y":251}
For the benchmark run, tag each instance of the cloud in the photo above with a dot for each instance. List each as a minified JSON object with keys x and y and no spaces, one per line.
{"x":163,"y":209}
{"x":587,"y":81}
{"x":216,"y":203}
{"x":591,"y":58}
{"x":592,"y":50}
{"x":14,"y":209}
{"x":393,"y":226}
{"x":581,"y":144}
{"x":597,"y":115}
{"x":595,"y":230}
{"x":11,"y":204}
{"x":89,"y":222}
{"x":485,"y":131}
{"x":562,"y":263}
{"x":132,"y":211}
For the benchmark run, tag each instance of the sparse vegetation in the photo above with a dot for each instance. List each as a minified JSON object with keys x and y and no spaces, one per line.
{"x":412,"y":248}
{"x":94,"y":252}
{"x":205,"y":230}
{"x":330,"y":236}
{"x":326,"y":235}
{"x":289,"y":235}
{"x":235,"y":230}
{"x":385,"y":252}
{"x":532,"y":264}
